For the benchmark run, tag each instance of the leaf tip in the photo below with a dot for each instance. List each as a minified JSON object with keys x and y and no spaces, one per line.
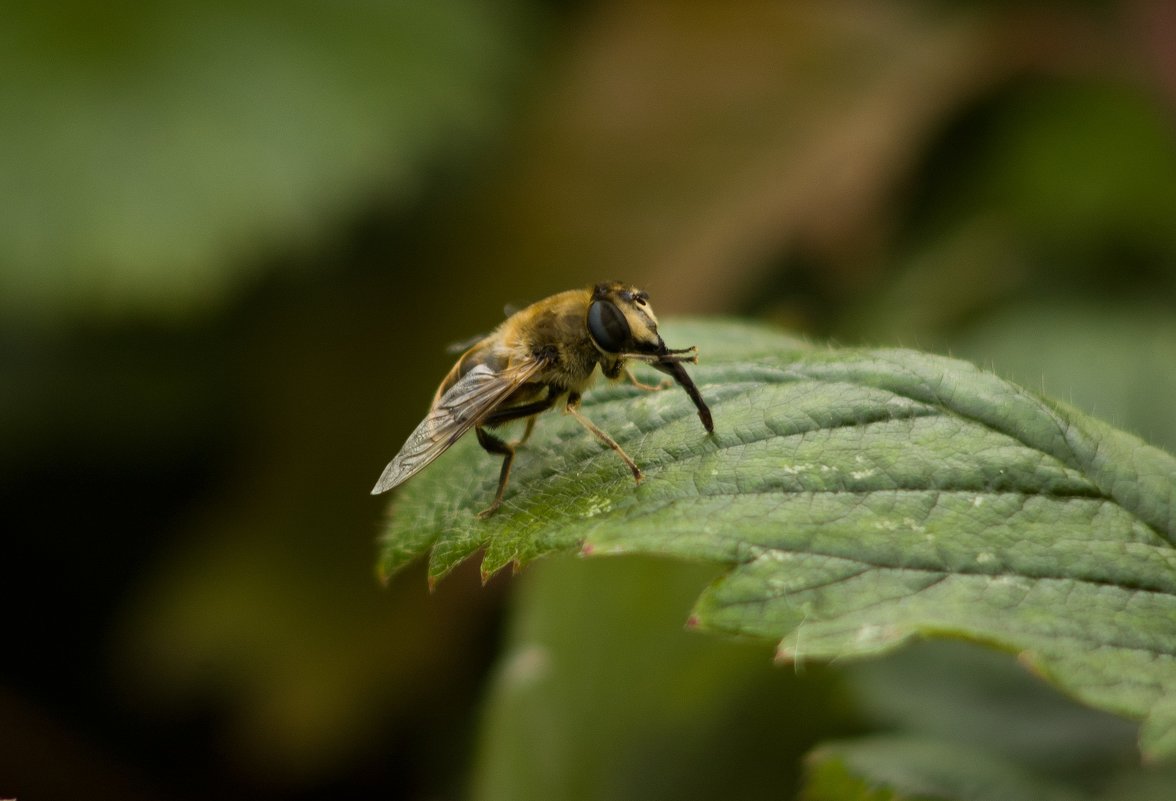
{"x":784,"y":656}
{"x":1031,"y":662}
{"x":693,"y":622}
{"x":587,"y":549}
{"x":1157,"y":734}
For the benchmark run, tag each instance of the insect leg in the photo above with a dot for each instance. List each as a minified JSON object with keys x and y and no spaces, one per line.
{"x":500,"y":416}
{"x":635,"y":381}
{"x":681,"y":355}
{"x":526,"y":432}
{"x":679,"y":374}
{"x":573,"y":409}
{"x":494,"y":445}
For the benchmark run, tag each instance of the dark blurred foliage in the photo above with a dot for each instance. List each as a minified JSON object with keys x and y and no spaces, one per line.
{"x":237,"y":237}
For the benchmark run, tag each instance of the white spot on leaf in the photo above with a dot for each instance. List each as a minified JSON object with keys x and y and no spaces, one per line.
{"x":596,"y":506}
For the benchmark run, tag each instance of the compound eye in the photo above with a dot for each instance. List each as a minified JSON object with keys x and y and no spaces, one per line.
{"x":608,"y":326}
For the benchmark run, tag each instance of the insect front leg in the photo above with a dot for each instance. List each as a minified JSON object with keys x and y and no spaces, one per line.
{"x":613,"y":370}
{"x":573,"y":408}
{"x":635,"y":381}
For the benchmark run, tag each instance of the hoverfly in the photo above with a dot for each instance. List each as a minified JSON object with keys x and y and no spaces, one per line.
{"x":537,"y":357}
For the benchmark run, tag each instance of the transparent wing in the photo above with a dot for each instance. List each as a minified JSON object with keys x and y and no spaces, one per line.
{"x":474,"y":396}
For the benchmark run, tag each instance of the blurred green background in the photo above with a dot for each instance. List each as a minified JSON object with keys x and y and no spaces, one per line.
{"x":235,"y":239}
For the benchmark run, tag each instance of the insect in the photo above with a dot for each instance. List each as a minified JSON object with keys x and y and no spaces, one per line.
{"x":539,"y":356}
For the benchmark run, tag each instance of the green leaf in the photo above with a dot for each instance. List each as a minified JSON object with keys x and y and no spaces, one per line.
{"x":153,"y":149}
{"x":954,"y":691}
{"x":891,"y":768}
{"x":861,"y":498}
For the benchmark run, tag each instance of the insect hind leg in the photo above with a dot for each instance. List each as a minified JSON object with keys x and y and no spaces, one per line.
{"x":526,"y":432}
{"x":493,"y":444}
